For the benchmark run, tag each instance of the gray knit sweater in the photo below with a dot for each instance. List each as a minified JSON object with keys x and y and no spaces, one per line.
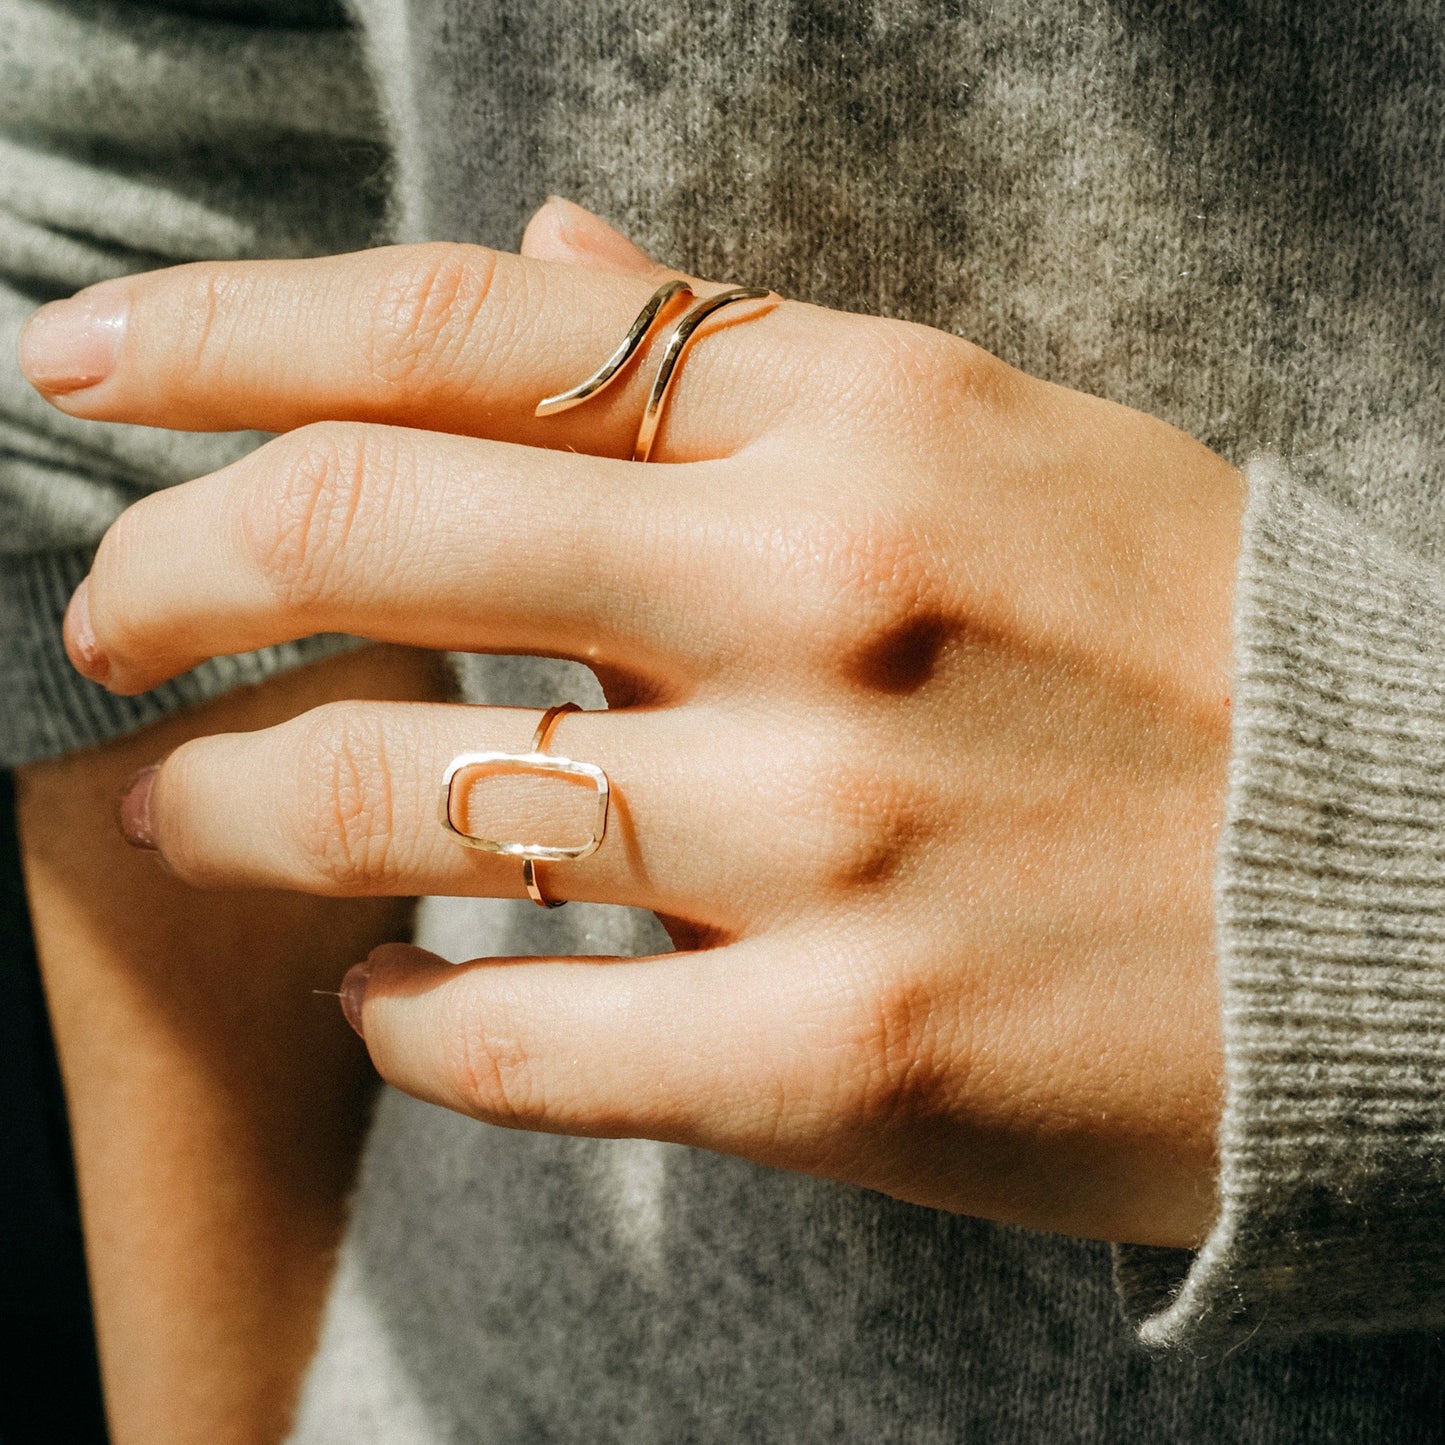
{"x":1230,"y":215}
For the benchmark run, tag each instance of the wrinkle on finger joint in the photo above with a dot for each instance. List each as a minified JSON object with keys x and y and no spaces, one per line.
{"x":296,"y":535}
{"x":423,"y":321}
{"x":490,"y":1067}
{"x":345,"y":801}
{"x":211,"y":303}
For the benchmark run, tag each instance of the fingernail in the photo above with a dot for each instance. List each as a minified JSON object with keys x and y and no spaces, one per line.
{"x":80,"y":643}
{"x":562,"y":217}
{"x":134,"y":812}
{"x":583,"y":231}
{"x":353,"y":993}
{"x":69,"y":345}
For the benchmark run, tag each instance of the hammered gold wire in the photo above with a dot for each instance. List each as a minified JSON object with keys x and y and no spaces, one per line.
{"x":677,"y":343}
{"x":539,"y":744}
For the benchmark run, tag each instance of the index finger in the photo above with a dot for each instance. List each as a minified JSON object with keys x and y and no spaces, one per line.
{"x":450,"y":338}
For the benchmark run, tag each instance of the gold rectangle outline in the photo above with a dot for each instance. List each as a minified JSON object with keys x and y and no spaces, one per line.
{"x":528,"y":763}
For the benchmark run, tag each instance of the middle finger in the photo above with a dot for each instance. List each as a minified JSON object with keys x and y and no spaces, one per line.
{"x":415,"y":538}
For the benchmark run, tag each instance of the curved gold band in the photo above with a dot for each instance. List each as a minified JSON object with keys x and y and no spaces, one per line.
{"x":466,"y":767}
{"x":627,"y":348}
{"x":677,"y":343}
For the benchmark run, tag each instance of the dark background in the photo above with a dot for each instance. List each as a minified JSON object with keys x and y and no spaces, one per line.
{"x":49,"y":1381}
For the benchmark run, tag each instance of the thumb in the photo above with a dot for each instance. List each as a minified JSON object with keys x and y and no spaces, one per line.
{"x":562,"y":231}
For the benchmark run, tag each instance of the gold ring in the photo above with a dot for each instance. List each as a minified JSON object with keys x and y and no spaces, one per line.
{"x":627,"y":348}
{"x":677,"y":343}
{"x":468,"y":768}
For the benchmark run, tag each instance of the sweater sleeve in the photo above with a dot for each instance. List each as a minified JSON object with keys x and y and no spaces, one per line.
{"x":136,"y":135}
{"x":1331,"y":941}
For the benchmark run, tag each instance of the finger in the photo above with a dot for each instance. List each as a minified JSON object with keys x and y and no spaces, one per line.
{"x":345,"y":800}
{"x":397,"y":535}
{"x":720,"y":1049}
{"x":563,"y":231}
{"x":785,"y":1051}
{"x":444,"y":337}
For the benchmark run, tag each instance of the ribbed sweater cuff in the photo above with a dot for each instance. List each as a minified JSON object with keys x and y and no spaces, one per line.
{"x":47,"y":708}
{"x":1331,"y":930}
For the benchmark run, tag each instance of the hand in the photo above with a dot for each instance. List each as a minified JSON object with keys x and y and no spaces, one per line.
{"x":919,"y":674}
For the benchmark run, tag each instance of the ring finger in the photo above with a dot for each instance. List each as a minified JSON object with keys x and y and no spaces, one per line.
{"x":344,"y":800}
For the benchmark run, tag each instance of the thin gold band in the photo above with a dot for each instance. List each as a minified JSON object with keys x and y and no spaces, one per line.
{"x":539,"y":745}
{"x":627,"y":348}
{"x":677,"y":343}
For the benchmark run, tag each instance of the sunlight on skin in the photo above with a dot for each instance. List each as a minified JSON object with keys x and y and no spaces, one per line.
{"x":920,"y":670}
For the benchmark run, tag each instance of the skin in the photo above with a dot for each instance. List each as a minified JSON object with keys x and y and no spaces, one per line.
{"x":919,"y":673}
{"x":216,"y":1101}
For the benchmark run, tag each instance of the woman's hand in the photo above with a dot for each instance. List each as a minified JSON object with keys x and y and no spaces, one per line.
{"x":919,"y":672}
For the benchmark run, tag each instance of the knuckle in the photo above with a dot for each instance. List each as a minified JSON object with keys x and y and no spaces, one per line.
{"x":842,"y":819}
{"x":919,"y":371}
{"x":342,"y":827}
{"x":876,"y":564}
{"x":872,"y":824}
{"x":298,"y":521}
{"x":870,"y":578}
{"x":425,"y":315}
{"x":490,"y":1067}
{"x":893,"y":1048}
{"x":204,"y":307}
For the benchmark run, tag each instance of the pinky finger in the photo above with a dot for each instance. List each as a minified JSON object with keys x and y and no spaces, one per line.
{"x":693,"y":1048}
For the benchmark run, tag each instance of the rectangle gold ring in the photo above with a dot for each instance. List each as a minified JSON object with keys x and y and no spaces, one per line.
{"x":498,"y":763}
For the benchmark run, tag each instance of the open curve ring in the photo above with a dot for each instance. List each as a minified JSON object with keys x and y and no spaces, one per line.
{"x":468,"y":768}
{"x":672,"y":352}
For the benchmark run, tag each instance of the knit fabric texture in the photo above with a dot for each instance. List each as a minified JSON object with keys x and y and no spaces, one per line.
{"x":135,"y":136}
{"x":1227,"y":216}
{"x":1331,"y":888}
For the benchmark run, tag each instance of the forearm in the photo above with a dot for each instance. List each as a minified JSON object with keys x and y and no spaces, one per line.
{"x":216,"y":1103}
